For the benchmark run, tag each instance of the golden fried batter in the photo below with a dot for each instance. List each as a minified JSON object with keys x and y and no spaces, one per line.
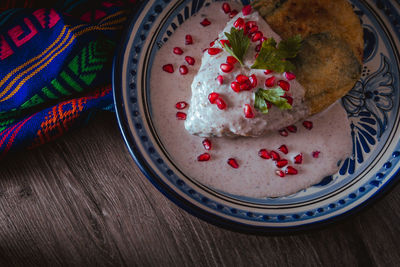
{"x":330,"y":61}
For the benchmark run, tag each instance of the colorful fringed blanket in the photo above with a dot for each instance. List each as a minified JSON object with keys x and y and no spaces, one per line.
{"x":55,"y":67}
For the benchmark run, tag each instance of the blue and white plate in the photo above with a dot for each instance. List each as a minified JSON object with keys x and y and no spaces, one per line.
{"x":372,"y":106}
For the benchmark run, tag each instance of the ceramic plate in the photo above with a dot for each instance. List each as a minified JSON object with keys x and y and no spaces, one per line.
{"x":372,"y":106}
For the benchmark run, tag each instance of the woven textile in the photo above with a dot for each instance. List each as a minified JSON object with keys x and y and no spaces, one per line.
{"x":55,"y":67}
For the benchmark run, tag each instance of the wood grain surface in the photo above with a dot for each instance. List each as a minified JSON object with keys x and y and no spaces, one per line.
{"x":81,"y":201}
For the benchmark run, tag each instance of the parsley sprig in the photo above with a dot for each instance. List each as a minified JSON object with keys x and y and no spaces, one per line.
{"x":274,"y":57}
{"x":274,"y":96}
{"x":239,"y":43}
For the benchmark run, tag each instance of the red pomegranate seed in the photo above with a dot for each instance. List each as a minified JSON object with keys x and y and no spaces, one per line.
{"x":253,"y":80}
{"x":181,"y":105}
{"x":290,"y":170}
{"x":253,"y":29}
{"x":220,"y":103}
{"x":214,"y":51}
{"x":283,"y":133}
{"x":204,"y":157}
{"x":292,"y":128}
{"x":257,"y":36}
{"x":239,"y":23}
{"x":226,"y":67}
{"x":246,"y":10}
{"x":315,"y":154}
{"x":178,"y":51}
{"x":290,"y":76}
{"x":168,"y":68}
{"x":248,"y":111}
{"x":226,"y":8}
{"x":233,"y":163}
{"x":190,"y":60}
{"x":188,"y":39}
{"x":220,"y":79}
{"x":263,"y":39}
{"x":242,"y":78}
{"x":231,"y":60}
{"x":225,"y":42}
{"x":266,"y":72}
{"x":283,"y":149}
{"x":298,"y":159}
{"x":289,"y":99}
{"x":281,"y":163}
{"x":212,"y":97}
{"x":212,"y":43}
{"x":284,"y":85}
{"x":245,"y":86}
{"x":250,"y":24}
{"x":207,"y":144}
{"x":258,"y":48}
{"x":270,"y":82}
{"x":181,"y":116}
{"x":256,"y":56}
{"x":274,"y":155}
{"x":233,"y":13}
{"x":183,"y":70}
{"x":280,"y":173}
{"x":205,"y":22}
{"x":308,"y":125}
{"x":269,"y":105}
{"x":235,"y":87}
{"x":263,"y":153}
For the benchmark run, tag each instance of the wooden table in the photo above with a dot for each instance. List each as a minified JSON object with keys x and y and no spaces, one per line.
{"x":82,"y":201}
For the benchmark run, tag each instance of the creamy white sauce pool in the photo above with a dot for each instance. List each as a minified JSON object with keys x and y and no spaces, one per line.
{"x":256,"y":176}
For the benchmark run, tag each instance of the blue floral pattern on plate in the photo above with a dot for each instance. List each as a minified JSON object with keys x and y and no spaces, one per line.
{"x":372,"y":106}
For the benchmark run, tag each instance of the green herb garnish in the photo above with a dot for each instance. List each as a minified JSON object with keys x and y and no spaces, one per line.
{"x":239,"y":43}
{"x":275,"y":58}
{"x":274,"y":96}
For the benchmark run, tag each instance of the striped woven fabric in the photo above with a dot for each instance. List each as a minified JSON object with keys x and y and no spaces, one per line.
{"x":55,"y":67}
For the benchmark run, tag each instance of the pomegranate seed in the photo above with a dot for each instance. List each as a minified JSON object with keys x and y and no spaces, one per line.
{"x":315,"y":154}
{"x":220,"y":79}
{"x":207,"y":144}
{"x":256,"y":56}
{"x":212,"y":97}
{"x":183,"y":70}
{"x":214,"y":51}
{"x":289,"y":99}
{"x":308,"y":125}
{"x":233,"y":163}
{"x":280,"y":173}
{"x":212,"y":43}
{"x":226,"y":67}
{"x":181,"y":116}
{"x":168,"y":68}
{"x":239,"y":23}
{"x":290,"y":76}
{"x":242,"y":78}
{"x":274,"y":155}
{"x":283,"y":133}
{"x":248,"y":111}
{"x":263,"y":153}
{"x":205,"y":22}
{"x":190,"y":60}
{"x":281,"y":163}
{"x":235,"y":87}
{"x":253,"y":80}
{"x":283,"y":149}
{"x":253,"y":29}
{"x":226,"y":8}
{"x":231,"y":60}
{"x":246,"y":10}
{"x":233,"y":13}
{"x":220,"y":103}
{"x":245,"y":86}
{"x":181,"y":105}
{"x":266,"y":72}
{"x":178,"y":51}
{"x":263,"y":39}
{"x":290,"y":170}
{"x":250,"y":24}
{"x":258,"y":48}
{"x":188,"y":39}
{"x":224,"y":42}
{"x":298,"y":159}
{"x":204,"y":157}
{"x":292,"y":128}
{"x":257,"y":36}
{"x":284,"y":85}
{"x":270,"y":82}
{"x":269,"y":105}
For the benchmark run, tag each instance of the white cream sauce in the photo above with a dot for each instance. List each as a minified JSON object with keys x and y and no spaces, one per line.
{"x":256,"y":176}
